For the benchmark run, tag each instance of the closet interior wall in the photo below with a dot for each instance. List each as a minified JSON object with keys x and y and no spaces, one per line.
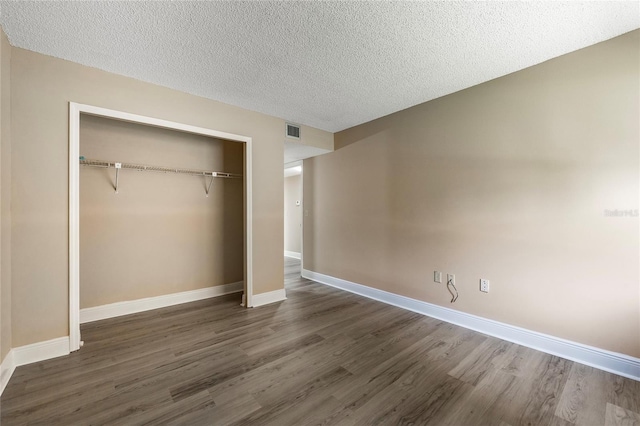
{"x":160,"y":234}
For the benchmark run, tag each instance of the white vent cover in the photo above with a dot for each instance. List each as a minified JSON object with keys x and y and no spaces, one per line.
{"x":293,"y":131}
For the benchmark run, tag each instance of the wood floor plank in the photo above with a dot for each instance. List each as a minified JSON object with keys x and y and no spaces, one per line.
{"x":335,"y":416}
{"x":238,"y":367}
{"x":524,"y":361}
{"x":618,"y":416}
{"x":488,"y":401}
{"x":537,"y":404}
{"x":623,"y":392}
{"x":52,"y":405}
{"x":294,"y":406}
{"x":290,"y":371}
{"x":583,"y":400}
{"x":404,"y":367}
{"x":406,"y":335}
{"x":557,"y":421}
{"x":217,"y":414}
{"x":181,"y":370}
{"x":434,"y":407}
{"x":454,"y":344}
{"x":170,"y":411}
{"x":486,"y":356}
{"x":321,"y":357}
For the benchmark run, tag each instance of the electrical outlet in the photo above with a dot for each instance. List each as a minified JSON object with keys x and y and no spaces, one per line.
{"x":484,"y":285}
{"x":451,"y":279}
{"x":437,"y":276}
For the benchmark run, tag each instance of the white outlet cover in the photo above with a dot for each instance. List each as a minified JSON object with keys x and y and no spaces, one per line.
{"x":484,"y":286}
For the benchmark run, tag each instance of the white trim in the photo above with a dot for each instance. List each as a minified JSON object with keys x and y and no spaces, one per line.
{"x":302,"y":216}
{"x":293,"y":254}
{"x":29,"y":354}
{"x":75,"y":109}
{"x":117,"y":309}
{"x":41,"y":351}
{"x":157,"y":122}
{"x":74,"y":226}
{"x":7,"y":368}
{"x":602,"y":359}
{"x":269,"y":297}
{"x":248,"y":201}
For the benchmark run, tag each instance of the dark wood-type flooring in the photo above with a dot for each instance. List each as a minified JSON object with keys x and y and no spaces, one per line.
{"x":323,"y":356}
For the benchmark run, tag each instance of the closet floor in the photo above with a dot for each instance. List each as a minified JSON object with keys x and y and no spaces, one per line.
{"x":323,"y":356}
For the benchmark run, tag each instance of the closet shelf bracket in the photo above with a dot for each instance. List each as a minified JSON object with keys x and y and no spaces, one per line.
{"x":118,"y":166}
{"x":209,"y":186}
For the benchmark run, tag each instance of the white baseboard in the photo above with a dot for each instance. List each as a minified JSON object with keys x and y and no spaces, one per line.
{"x":7,"y":368}
{"x":41,"y":351}
{"x":293,"y":254}
{"x":269,"y":297}
{"x":29,"y":354}
{"x":140,"y":305}
{"x":602,"y":359}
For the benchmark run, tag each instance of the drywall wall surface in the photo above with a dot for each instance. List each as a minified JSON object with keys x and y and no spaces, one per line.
{"x":161,"y":233}
{"x":42,"y":88}
{"x":316,"y":138}
{"x":293,"y":213}
{"x":5,"y":196}
{"x":530,"y":180}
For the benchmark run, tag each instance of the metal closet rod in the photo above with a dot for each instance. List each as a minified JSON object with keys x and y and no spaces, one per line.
{"x":160,"y":169}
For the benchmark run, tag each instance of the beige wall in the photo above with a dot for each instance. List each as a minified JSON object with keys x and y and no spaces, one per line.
{"x":292,"y":213}
{"x":315,"y":138}
{"x":42,"y":88}
{"x":160,"y":234}
{"x":508,"y":181}
{"x":5,"y":196}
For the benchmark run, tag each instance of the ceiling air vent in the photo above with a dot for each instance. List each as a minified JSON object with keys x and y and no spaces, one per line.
{"x":293,"y":131}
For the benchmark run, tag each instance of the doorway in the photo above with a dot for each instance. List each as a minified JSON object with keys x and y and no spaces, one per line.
{"x":293,"y":218}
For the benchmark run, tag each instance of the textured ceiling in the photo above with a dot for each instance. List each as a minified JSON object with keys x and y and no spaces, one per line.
{"x":331,"y":65}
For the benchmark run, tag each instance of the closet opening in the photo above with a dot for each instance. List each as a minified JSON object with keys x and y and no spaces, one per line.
{"x":160,"y":214}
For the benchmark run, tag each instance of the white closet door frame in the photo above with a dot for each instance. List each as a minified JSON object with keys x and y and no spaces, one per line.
{"x":75,"y":109}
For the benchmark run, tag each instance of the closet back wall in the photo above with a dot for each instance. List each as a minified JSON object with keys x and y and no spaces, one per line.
{"x":159,"y":234}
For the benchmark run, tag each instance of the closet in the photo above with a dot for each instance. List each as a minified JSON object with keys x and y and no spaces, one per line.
{"x":176,"y":221}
